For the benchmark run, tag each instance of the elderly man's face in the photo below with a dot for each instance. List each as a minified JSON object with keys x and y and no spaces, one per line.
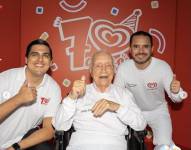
{"x":102,"y":70}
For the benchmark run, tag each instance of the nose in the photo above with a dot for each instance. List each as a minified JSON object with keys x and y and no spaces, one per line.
{"x":104,"y":68}
{"x":141,"y":49}
{"x":40,"y":57}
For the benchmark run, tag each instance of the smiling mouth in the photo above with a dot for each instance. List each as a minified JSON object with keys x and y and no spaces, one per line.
{"x":103,"y":77}
{"x":141,"y":55}
{"x":39,"y":65}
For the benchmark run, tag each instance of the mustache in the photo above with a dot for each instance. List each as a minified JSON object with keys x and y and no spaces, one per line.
{"x":141,"y":54}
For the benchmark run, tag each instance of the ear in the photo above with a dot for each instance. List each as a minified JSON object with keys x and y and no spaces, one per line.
{"x":129,"y":48}
{"x":90,"y":71}
{"x":130,"y":52}
{"x":26,"y":60}
{"x":51,"y":62}
{"x":152,"y":49}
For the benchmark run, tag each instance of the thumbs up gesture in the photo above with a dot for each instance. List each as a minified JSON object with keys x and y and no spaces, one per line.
{"x":78,"y":88}
{"x":175,"y":85}
{"x":27,"y":94}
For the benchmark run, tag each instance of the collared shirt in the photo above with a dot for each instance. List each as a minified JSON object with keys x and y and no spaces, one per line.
{"x":14,"y":127}
{"x":147,"y":85}
{"x":109,"y":129}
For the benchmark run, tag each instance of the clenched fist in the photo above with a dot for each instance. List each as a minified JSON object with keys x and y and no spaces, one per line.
{"x":175,"y":85}
{"x":78,"y":88}
{"x":27,"y":94}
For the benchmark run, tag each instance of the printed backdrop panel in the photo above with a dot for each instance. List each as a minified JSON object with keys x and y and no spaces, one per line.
{"x":78,"y":28}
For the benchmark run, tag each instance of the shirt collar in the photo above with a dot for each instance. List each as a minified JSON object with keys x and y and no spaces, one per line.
{"x":23,"y":78}
{"x":108,"y":89}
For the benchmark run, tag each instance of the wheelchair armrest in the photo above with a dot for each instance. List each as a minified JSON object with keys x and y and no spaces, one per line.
{"x":135,"y":139}
{"x":62,"y":138}
{"x":140,"y":135}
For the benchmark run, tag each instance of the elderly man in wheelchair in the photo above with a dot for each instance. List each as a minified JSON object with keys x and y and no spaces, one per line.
{"x":99,"y":112}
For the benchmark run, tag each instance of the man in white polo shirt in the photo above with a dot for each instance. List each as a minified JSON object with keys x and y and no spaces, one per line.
{"x":28,"y":97}
{"x":148,"y":78}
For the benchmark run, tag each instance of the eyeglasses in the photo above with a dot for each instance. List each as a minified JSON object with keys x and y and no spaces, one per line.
{"x":103,"y":66}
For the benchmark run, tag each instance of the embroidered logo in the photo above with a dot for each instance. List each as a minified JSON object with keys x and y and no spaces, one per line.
{"x":152,"y":85}
{"x":44,"y":100}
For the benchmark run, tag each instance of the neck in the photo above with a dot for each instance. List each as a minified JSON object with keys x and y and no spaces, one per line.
{"x":143,"y":65}
{"x":102,"y":89}
{"x":33,"y":81}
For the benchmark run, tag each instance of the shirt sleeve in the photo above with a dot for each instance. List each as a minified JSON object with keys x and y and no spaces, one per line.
{"x":65,"y":115}
{"x":130,"y":114}
{"x":167,"y":79}
{"x":4,"y":78}
{"x":55,"y":98}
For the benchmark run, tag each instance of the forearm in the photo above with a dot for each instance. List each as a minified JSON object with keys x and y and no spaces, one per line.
{"x":132,"y":116}
{"x":8,"y":107}
{"x":41,"y":135}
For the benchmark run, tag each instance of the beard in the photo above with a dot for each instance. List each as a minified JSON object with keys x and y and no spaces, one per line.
{"x":143,"y":61}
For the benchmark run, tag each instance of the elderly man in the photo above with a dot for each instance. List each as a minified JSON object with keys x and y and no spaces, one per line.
{"x":99,"y":112}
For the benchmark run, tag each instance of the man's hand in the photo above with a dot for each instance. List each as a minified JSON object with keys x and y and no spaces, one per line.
{"x":175,"y":85}
{"x":78,"y":88}
{"x":104,"y":105}
{"x":27,"y":94}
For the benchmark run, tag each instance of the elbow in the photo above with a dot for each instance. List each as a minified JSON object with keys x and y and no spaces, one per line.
{"x":49,"y":133}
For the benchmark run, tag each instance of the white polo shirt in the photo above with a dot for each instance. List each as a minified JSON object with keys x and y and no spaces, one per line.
{"x":147,"y":85}
{"x":14,"y":127}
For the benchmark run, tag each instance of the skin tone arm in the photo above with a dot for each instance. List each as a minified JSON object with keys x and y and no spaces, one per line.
{"x":25,"y":95}
{"x":41,"y":135}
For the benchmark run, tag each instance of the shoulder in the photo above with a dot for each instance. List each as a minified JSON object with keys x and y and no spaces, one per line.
{"x":126,"y":63}
{"x":52,"y":82}
{"x":122,"y":91}
{"x":125,"y":66}
{"x":161,"y":63}
{"x":12,"y":72}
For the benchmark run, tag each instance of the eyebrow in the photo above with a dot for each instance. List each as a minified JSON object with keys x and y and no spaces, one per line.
{"x":39,"y":52}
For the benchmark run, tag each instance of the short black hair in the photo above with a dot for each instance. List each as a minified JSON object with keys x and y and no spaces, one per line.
{"x":38,"y":42}
{"x":141,"y":33}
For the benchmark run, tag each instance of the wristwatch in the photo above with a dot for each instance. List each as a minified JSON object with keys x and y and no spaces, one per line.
{"x":16,"y":146}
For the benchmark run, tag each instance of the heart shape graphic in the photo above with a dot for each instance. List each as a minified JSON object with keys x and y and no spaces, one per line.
{"x":107,"y":35}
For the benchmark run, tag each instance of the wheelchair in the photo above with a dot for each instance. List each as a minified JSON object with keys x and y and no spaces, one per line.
{"x":135,"y":139}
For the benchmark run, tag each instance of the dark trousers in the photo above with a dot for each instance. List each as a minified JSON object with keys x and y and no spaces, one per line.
{"x":40,"y":146}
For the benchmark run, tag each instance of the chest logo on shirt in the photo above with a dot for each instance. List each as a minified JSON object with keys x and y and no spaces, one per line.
{"x":44,"y":100}
{"x":152,"y":85}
